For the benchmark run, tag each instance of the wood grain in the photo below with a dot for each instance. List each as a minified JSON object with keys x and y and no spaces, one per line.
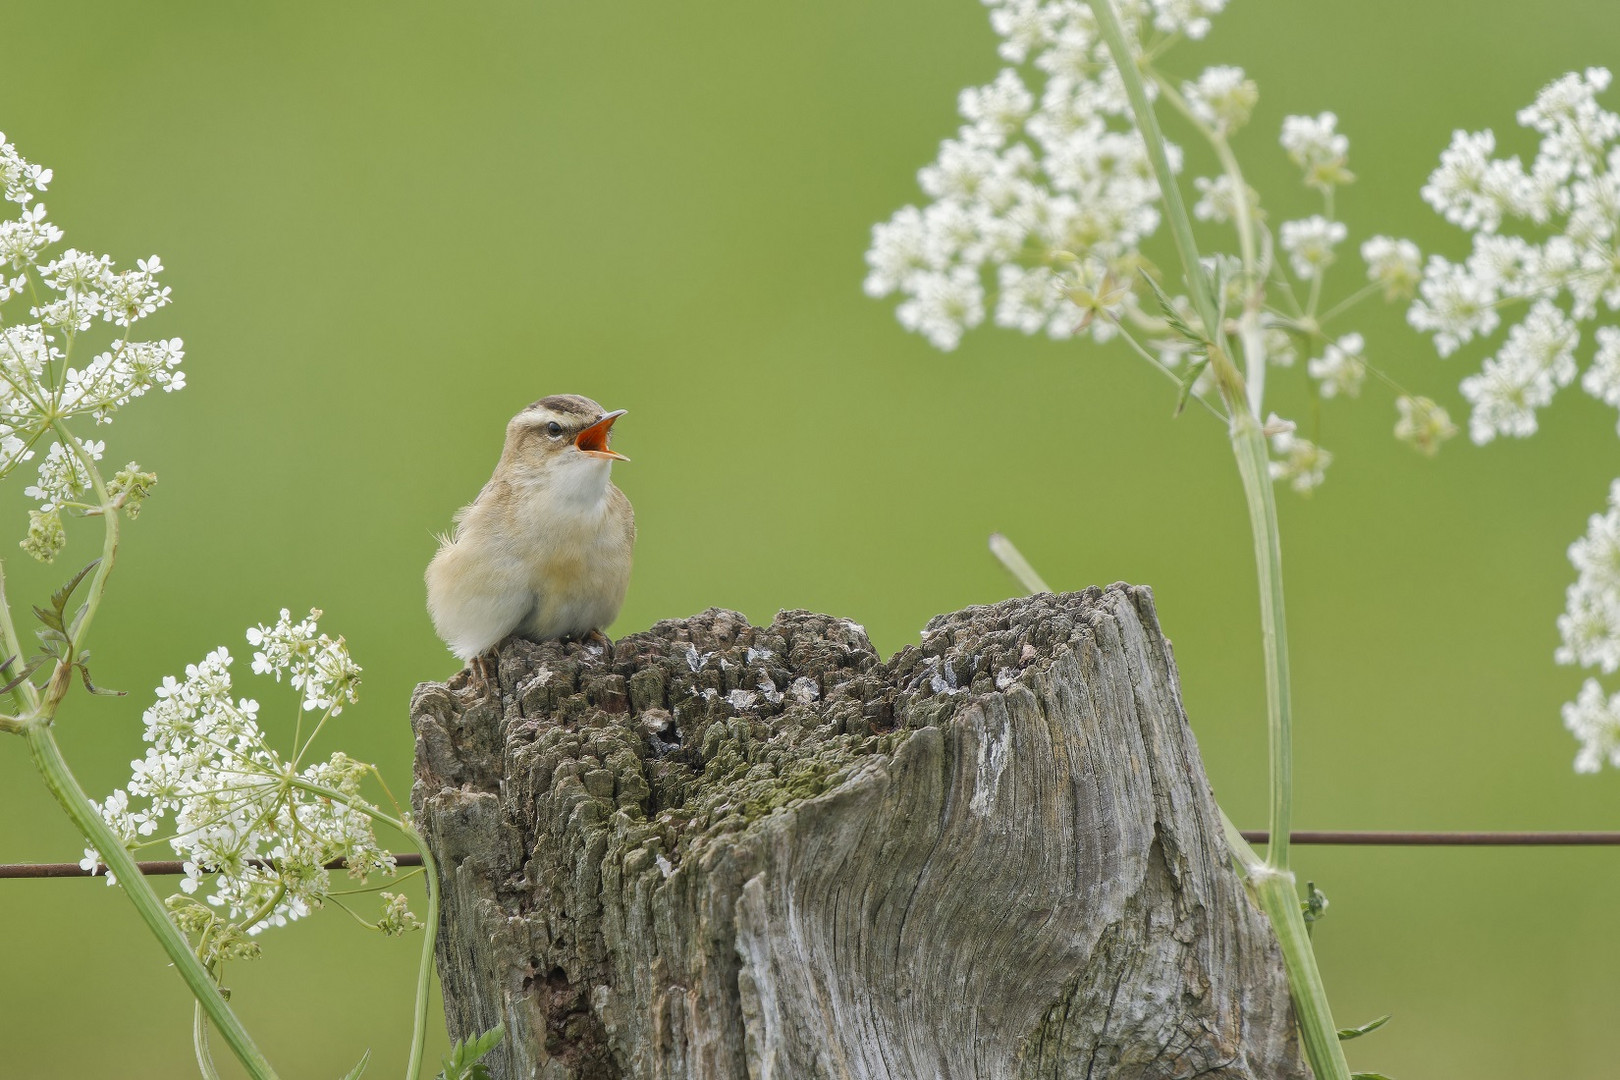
{"x":728,"y":851}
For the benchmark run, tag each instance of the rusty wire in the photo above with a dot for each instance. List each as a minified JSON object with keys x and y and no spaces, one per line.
{"x":1344,"y":838}
{"x":151,"y":869}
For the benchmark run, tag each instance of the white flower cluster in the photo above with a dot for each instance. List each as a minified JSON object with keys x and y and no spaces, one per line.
{"x":1316,"y":145}
{"x":242,"y":811}
{"x":1039,"y":189}
{"x":39,"y":384}
{"x":1310,"y":243}
{"x":1042,"y":201}
{"x":1340,"y":369}
{"x":1569,"y":200}
{"x":314,"y":663}
{"x":1299,"y":461}
{"x":1590,"y":629}
{"x":1561,"y":268}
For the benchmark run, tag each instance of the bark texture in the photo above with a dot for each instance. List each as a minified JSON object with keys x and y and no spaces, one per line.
{"x":733,"y":852}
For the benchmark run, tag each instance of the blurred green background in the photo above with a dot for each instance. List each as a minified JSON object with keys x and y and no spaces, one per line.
{"x":391,"y":225}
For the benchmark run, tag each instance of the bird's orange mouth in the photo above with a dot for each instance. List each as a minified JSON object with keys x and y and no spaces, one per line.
{"x":594,"y":439}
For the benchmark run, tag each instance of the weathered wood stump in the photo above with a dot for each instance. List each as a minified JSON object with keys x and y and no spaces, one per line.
{"x":729,"y":851}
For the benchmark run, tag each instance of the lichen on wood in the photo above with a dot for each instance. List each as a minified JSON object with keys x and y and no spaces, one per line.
{"x":763,"y":853}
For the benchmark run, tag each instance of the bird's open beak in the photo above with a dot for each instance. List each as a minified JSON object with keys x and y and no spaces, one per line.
{"x":594,"y":439}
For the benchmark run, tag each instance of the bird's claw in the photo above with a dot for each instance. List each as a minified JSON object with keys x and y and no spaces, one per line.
{"x":485,"y":668}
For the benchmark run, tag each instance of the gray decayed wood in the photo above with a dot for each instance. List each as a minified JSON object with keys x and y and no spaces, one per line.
{"x":729,"y":851}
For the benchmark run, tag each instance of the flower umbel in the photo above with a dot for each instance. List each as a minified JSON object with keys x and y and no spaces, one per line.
{"x":251,"y":822}
{"x":1044,"y":201}
{"x":41,"y":385}
{"x":1545,"y":257}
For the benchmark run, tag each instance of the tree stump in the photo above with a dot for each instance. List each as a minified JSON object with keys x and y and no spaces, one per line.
{"x":729,"y":851}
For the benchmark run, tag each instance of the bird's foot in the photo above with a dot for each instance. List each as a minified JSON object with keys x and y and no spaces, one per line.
{"x":597,"y":639}
{"x":485,"y":668}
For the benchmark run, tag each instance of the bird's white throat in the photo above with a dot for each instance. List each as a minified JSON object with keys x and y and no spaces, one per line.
{"x":578,"y":486}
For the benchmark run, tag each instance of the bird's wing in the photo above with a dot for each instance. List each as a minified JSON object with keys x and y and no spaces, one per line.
{"x":465,"y":510}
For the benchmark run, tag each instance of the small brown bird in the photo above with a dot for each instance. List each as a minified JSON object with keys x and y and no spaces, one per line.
{"x":544,"y":551}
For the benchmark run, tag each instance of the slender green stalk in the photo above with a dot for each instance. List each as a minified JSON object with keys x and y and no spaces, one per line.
{"x":109,"y":540}
{"x":430,"y":929}
{"x":1270,"y":882}
{"x":1254,"y":465}
{"x":424,"y":971}
{"x":199,"y":1043}
{"x":59,"y":780}
{"x":76,"y":804}
{"x":1278,"y":898}
{"x":1018,"y":566}
{"x":1175,"y":208}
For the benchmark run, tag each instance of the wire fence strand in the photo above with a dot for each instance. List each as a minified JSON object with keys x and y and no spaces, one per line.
{"x":159,"y":868}
{"x":1445,"y":839}
{"x":1344,"y":838}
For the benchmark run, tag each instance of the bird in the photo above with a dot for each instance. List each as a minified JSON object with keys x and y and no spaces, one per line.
{"x":544,"y":551}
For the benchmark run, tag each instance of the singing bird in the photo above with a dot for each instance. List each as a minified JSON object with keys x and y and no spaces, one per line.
{"x":544,"y":551}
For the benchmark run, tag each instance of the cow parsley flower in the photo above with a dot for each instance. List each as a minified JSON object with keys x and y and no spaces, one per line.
{"x":1222,"y":98}
{"x":1299,"y":461}
{"x":1536,"y":360}
{"x":1340,"y":369}
{"x":1309,"y":244}
{"x":254,"y":825}
{"x":1040,"y":204}
{"x":1318,"y":148}
{"x":1394,"y":265}
{"x":40,"y":382}
{"x":1602,"y":379}
{"x":1594,"y":719}
{"x":1046,"y":175}
{"x":313,"y":663}
{"x":1218,"y":199}
{"x":1564,"y":262}
{"x":1422,"y":424}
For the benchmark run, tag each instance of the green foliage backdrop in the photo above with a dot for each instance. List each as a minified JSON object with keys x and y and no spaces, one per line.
{"x":391,"y":225}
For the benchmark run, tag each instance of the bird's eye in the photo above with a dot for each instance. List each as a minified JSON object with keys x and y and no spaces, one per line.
{"x":554,"y":429}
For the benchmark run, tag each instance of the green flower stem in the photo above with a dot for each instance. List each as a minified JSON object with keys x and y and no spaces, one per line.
{"x":1254,"y":353}
{"x":1018,"y":566}
{"x":62,"y":785}
{"x":23,"y":694}
{"x":424,"y":970}
{"x":1175,"y":209}
{"x":59,"y":780}
{"x":199,"y":1043}
{"x":1279,"y":899}
{"x":1270,"y":882}
{"x":109,"y":540}
{"x":430,"y":929}
{"x":1254,"y":465}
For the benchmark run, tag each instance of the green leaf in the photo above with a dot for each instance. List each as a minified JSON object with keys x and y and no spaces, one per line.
{"x":52,"y":619}
{"x":1171,"y":315}
{"x":22,"y":676}
{"x":1195,"y":369}
{"x":84,"y":673}
{"x":60,"y":597}
{"x":354,"y":1073}
{"x":1357,"y":1032}
{"x":1368,"y":1076}
{"x":462,"y":1063}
